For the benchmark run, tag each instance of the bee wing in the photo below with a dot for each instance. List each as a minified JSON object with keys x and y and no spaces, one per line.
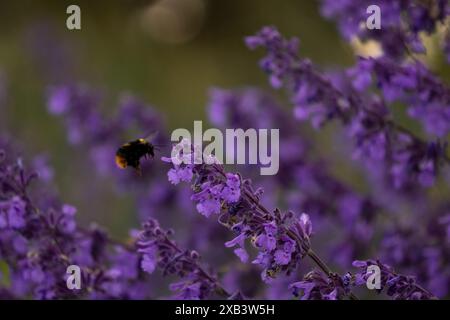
{"x":151,"y":135}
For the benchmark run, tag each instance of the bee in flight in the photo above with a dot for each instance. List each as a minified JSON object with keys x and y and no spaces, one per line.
{"x":130,"y":154}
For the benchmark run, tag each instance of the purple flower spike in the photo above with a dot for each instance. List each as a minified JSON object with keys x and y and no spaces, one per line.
{"x":158,"y":251}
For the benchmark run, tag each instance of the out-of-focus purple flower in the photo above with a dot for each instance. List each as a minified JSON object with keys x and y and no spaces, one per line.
{"x":305,"y":183}
{"x":243,"y":108}
{"x":401,"y":22}
{"x":59,"y":101}
{"x":39,"y":239}
{"x":318,"y":286}
{"x":377,"y":137}
{"x":158,"y":251}
{"x":186,"y":291}
{"x":52,"y":54}
{"x":281,"y":239}
{"x":42,"y":168}
{"x":421,"y":248}
{"x":78,"y":106}
{"x":149,"y":259}
{"x":180,"y":175}
{"x":12,"y":213}
{"x":66,"y":222}
{"x":80,"y":109}
{"x":134,"y":118}
{"x":399,"y":287}
{"x":241,"y":254}
{"x":427,"y":98}
{"x":46,"y":237}
{"x":278,"y":65}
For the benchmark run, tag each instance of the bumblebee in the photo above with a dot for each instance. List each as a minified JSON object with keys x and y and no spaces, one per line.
{"x":130,"y":154}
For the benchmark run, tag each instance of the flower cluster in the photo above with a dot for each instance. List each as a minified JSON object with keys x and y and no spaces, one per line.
{"x":318,"y":286}
{"x":281,"y":239}
{"x":399,"y":287}
{"x":100,"y":135}
{"x":39,"y":239}
{"x":306,"y":182}
{"x":394,"y":208}
{"x":80,"y":108}
{"x":426,"y":97}
{"x":157,"y":250}
{"x":395,"y":151}
{"x":320,"y":194}
{"x":422,"y":251}
{"x":401,"y":25}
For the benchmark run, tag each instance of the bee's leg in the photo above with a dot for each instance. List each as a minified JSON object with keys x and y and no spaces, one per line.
{"x":138,"y":170}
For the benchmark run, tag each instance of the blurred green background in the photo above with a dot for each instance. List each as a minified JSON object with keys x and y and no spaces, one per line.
{"x":167,"y":52}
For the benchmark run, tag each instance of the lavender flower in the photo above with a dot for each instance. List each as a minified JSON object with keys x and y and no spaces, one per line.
{"x":385,"y":212}
{"x":158,"y":251}
{"x":52,"y":54}
{"x":282,"y":240}
{"x":420,"y":249}
{"x":12,"y":213}
{"x":37,"y":243}
{"x":404,"y":157}
{"x":100,"y":136}
{"x":402,"y":21}
{"x":427,"y":98}
{"x":399,"y":287}
{"x":75,"y":105}
{"x":318,"y":286}
{"x":306,"y":183}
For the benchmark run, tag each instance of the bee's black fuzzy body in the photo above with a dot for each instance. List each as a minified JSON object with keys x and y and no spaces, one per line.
{"x":130,"y":154}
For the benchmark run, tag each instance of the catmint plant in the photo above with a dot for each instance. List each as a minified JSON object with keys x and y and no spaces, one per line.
{"x":158,"y":250}
{"x":40,"y":238}
{"x":315,"y":230}
{"x":384,"y":144}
